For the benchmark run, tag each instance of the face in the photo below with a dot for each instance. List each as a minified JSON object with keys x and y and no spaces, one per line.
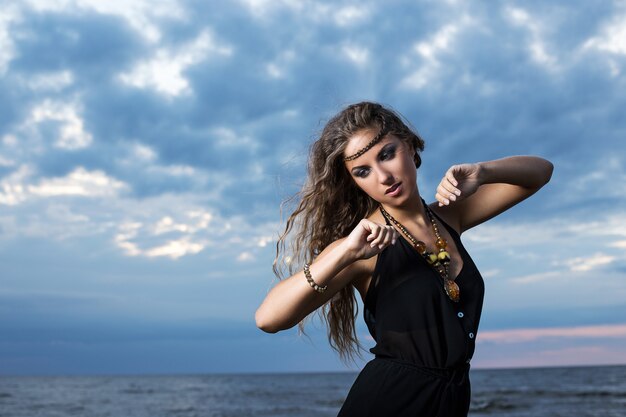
{"x":386,"y":172}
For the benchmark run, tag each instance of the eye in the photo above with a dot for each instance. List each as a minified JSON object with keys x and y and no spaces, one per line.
{"x":388,"y":153}
{"x":361,"y":172}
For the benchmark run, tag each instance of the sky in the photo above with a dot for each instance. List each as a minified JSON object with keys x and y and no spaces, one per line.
{"x":145,"y":149}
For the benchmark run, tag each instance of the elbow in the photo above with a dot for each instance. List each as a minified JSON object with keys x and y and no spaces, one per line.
{"x":266,"y":325}
{"x":549,"y":171}
{"x":271,"y":324}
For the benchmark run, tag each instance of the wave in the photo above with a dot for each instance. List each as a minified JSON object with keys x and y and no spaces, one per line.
{"x":137,"y":391}
{"x":189,"y":409}
{"x":559,"y":393}
{"x":492,"y":405}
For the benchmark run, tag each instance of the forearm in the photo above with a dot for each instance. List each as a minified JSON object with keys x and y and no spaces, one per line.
{"x":525,"y":171}
{"x":292,"y":299}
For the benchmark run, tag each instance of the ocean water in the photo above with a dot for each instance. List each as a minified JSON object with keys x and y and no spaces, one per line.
{"x":537,"y":392}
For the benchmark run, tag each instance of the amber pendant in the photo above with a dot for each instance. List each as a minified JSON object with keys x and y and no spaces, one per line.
{"x":452,"y":289}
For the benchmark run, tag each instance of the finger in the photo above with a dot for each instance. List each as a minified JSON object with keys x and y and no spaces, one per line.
{"x":383,"y":239}
{"x":375,"y":235}
{"x":380,"y":238}
{"x":374,"y":231}
{"x":442,"y":200}
{"x":450,"y":177}
{"x":365,"y":225}
{"x":445,"y":193}
{"x":451,"y":184}
{"x":386,"y":236}
{"x":387,"y":239}
{"x":393,"y":235}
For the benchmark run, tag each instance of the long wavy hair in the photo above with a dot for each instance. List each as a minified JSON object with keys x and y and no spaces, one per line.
{"x":329,"y":207}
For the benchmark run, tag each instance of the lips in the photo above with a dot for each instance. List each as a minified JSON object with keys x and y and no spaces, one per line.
{"x":393,"y":188}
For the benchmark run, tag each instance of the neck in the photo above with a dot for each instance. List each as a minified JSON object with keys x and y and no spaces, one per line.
{"x":411,"y":212}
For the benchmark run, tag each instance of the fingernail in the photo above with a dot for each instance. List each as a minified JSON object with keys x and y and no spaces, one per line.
{"x":372,"y":244}
{"x":447,"y":201}
{"x":453,"y":197}
{"x":393,"y":241}
{"x":457,"y":192}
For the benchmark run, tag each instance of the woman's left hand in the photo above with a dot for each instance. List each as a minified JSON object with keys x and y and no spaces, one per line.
{"x":459,"y":182}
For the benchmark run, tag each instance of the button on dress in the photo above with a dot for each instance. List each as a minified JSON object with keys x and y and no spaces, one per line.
{"x":424,"y":340}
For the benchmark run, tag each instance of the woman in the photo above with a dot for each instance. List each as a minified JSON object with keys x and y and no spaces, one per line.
{"x":361,"y":223}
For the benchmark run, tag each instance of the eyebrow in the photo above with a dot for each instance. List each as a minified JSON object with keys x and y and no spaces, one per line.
{"x":384,"y":148}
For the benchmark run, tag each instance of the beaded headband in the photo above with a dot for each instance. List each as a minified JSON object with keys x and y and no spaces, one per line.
{"x":377,"y":138}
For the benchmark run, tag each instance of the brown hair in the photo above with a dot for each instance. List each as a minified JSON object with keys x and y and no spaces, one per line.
{"x":330,"y":207}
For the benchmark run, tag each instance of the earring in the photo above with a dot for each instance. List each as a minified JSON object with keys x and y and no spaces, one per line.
{"x":418,"y":160}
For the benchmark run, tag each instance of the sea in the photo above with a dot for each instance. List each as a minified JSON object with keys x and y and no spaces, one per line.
{"x":532,"y":392}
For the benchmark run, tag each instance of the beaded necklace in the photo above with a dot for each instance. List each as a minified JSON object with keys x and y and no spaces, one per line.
{"x":440,"y":261}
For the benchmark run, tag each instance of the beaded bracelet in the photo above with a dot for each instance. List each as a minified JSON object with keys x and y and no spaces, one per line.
{"x":312,"y":283}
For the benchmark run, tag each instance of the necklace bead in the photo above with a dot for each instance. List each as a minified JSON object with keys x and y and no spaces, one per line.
{"x":440,"y":261}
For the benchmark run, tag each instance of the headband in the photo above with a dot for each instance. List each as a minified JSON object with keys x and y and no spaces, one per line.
{"x":377,"y":138}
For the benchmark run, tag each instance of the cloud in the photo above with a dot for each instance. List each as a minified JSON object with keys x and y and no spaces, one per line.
{"x":358,"y":55}
{"x":260,"y":8}
{"x":175,"y":249}
{"x":127,"y":236}
{"x":541,"y":356}
{"x":588,"y":263}
{"x":167,"y":224}
{"x":13,"y":189}
{"x":536,"y":45}
{"x":140,"y":239}
{"x":245,"y":257}
{"x":51,"y":81}
{"x":537,"y":277}
{"x":619,"y":244}
{"x":5,"y":162}
{"x":612,"y":37}
{"x":72,"y":134}
{"x":352,"y":15}
{"x":525,"y":335}
{"x":343,"y":16}
{"x":164,"y":70}
{"x":566,"y":230}
{"x":142,"y":15}
{"x":429,"y":50}
{"x":574,"y":267}
{"x":79,"y":182}
{"x":8,"y":15}
{"x":556,"y":346}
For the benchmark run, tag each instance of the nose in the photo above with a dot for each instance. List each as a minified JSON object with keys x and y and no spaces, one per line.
{"x":384,"y":176}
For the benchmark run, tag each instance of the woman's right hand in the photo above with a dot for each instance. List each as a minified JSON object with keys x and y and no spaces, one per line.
{"x":369,"y":238}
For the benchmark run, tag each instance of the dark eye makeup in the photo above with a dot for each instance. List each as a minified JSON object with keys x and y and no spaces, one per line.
{"x":386,"y":153}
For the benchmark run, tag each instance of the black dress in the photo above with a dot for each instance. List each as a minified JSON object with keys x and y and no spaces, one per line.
{"x":424,"y":340}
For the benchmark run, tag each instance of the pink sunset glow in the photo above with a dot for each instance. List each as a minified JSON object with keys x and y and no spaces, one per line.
{"x":521,"y":335}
